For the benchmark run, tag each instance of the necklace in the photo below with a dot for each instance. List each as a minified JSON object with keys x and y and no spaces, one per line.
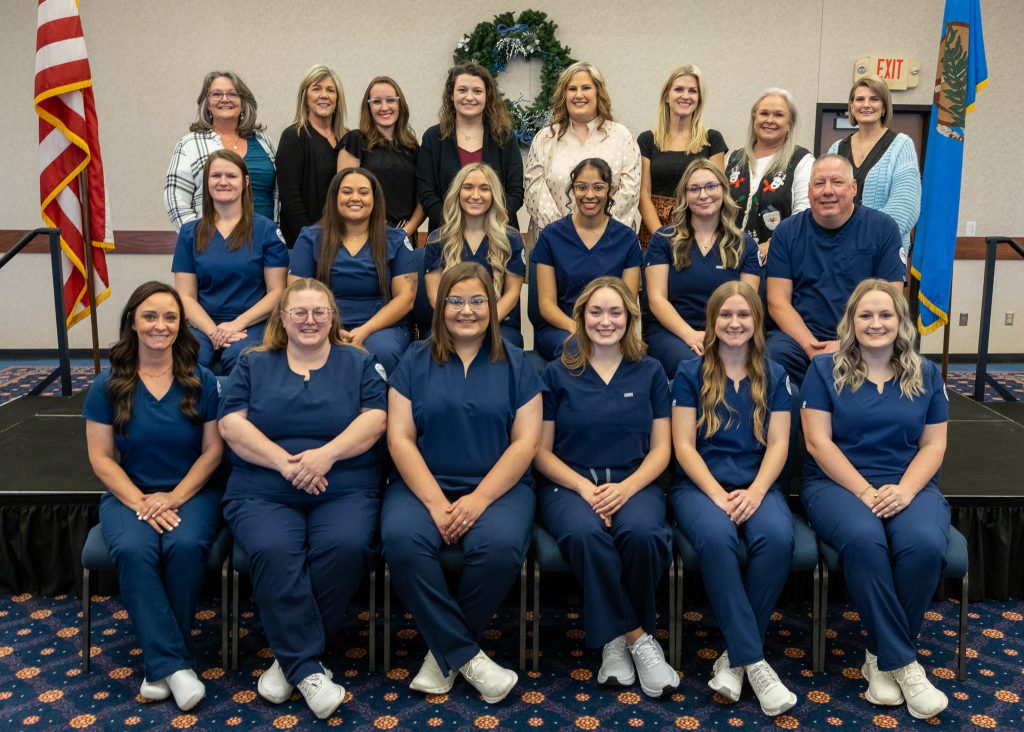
{"x":156,"y":376}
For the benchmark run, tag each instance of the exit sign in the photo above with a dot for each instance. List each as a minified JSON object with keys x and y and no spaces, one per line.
{"x":898,"y":72}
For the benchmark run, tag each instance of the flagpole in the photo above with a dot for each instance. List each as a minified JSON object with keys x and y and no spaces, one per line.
{"x":90,"y":294}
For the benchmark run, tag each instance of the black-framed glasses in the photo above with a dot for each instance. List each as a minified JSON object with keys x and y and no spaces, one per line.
{"x":476,"y":303}
{"x":301,"y":315}
{"x":708,"y":188}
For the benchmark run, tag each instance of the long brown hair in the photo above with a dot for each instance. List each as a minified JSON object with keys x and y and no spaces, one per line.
{"x":124,"y":360}
{"x":275,"y":338}
{"x":333,"y":231}
{"x":730,"y":237}
{"x":442,"y":345}
{"x":577,"y":358}
{"x":712,"y":391}
{"x":497,"y":119}
{"x":405,"y":136}
{"x":242,"y":233}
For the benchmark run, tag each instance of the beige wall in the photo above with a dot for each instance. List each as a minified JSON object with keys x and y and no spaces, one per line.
{"x":149,"y":57}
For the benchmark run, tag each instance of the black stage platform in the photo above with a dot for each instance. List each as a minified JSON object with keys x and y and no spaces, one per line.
{"x":49,"y":496}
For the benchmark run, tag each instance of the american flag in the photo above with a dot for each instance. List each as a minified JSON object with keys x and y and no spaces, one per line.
{"x":69,"y":144}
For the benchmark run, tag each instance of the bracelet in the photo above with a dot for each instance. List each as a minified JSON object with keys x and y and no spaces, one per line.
{"x":861,"y":494}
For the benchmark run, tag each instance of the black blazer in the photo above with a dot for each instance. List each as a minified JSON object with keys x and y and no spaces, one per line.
{"x":438,"y":162}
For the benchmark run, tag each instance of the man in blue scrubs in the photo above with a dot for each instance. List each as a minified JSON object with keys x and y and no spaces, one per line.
{"x":818,"y":257}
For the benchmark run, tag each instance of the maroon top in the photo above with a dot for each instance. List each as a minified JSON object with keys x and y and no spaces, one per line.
{"x":467,"y":158}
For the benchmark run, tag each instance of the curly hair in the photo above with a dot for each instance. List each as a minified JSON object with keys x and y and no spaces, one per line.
{"x":497,"y":118}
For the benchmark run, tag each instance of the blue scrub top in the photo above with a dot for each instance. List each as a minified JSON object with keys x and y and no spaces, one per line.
{"x":433,"y":260}
{"x":825,"y":266}
{"x":160,"y":444}
{"x":600,"y":425}
{"x":353,"y":278}
{"x":464,"y":422}
{"x":301,"y":415}
{"x":690,"y":287}
{"x":230,"y":282}
{"x":559,"y":246}
{"x":733,"y":455}
{"x":262,"y":177}
{"x":878,"y":433}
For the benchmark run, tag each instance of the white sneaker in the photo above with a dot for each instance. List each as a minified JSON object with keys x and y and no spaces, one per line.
{"x":616,"y":664}
{"x":656,"y":676}
{"x":430,"y":680}
{"x":322,"y":695}
{"x":727,"y":681}
{"x":771,"y":693}
{"x":491,"y":680}
{"x":882,"y":688}
{"x":154,"y":690}
{"x":186,"y":687}
{"x":274,"y":687}
{"x":923,"y":700}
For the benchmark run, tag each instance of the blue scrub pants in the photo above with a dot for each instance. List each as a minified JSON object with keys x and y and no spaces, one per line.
{"x":229,"y":355}
{"x":548,"y":341}
{"x":668,"y":349}
{"x":388,"y":345}
{"x":306,"y":563}
{"x":495,"y":548}
{"x":743,"y":605}
{"x":619,"y":568}
{"x":788,"y":354}
{"x":892,"y":566}
{"x":161,"y":575}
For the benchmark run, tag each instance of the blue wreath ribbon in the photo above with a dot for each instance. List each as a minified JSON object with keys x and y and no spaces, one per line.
{"x":504,"y":30}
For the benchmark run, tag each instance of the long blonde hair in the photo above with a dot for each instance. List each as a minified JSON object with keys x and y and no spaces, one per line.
{"x":698,"y":132}
{"x":452,"y":233}
{"x":849,"y":369}
{"x":560,"y":112}
{"x":712,"y":391}
{"x":318,"y":73}
{"x":731,"y":237}
{"x":576,"y":356}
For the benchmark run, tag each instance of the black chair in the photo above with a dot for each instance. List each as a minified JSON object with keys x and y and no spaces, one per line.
{"x":805,"y":558}
{"x":238,"y":562}
{"x":96,"y":557}
{"x":956,"y":568}
{"x":422,"y":310}
{"x":533,"y":313}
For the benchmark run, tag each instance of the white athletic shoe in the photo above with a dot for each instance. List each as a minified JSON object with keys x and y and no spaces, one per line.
{"x":656,"y":675}
{"x":274,"y":687}
{"x":430,"y":680}
{"x":154,"y":690}
{"x":616,"y":664}
{"x":186,"y":687}
{"x":491,"y":680}
{"x":322,"y":695}
{"x":771,"y":693}
{"x":882,"y":687}
{"x":727,"y":681}
{"x":923,"y":700}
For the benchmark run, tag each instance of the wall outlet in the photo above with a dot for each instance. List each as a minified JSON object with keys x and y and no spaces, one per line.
{"x":1008,"y":319}
{"x":971,"y":228}
{"x":963,"y":318}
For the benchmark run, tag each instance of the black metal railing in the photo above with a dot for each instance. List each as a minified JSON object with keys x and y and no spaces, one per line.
{"x":981,"y":376}
{"x":64,"y":369}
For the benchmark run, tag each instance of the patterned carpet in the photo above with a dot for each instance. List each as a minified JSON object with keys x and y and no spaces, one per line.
{"x":42,"y":686}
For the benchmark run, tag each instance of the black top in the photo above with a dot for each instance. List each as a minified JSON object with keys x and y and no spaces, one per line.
{"x":395,"y":168}
{"x":667,"y":168}
{"x":306,"y":162}
{"x":438,"y":163}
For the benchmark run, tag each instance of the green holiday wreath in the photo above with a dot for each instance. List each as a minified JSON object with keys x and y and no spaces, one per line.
{"x":531,"y":35}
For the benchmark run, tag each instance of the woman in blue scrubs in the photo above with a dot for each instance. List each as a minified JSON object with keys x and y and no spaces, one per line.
{"x":570,"y":252}
{"x":701,"y":249}
{"x":151,"y":431}
{"x":730,"y":427}
{"x":874,"y":417}
{"x":302,"y":416}
{"x":476,"y":230}
{"x":229,"y":265}
{"x":368,"y":266}
{"x":606,"y":439}
{"x":464,"y":422}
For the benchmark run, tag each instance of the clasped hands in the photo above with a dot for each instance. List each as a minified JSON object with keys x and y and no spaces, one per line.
{"x":606,"y":499}
{"x":453,"y":520}
{"x":886,"y":501}
{"x":226,"y":333}
{"x":307,"y":470}
{"x":159,"y":510}
{"x":740,"y":504}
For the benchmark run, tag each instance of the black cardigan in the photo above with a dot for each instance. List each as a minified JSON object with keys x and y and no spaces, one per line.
{"x":306,"y":163}
{"x":438,"y":162}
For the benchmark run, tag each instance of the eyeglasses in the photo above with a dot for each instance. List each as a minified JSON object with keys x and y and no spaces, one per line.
{"x":216,"y":96}
{"x":378,"y":101}
{"x":583,"y":188}
{"x":300,"y":315}
{"x":476,"y":303}
{"x":708,"y":188}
